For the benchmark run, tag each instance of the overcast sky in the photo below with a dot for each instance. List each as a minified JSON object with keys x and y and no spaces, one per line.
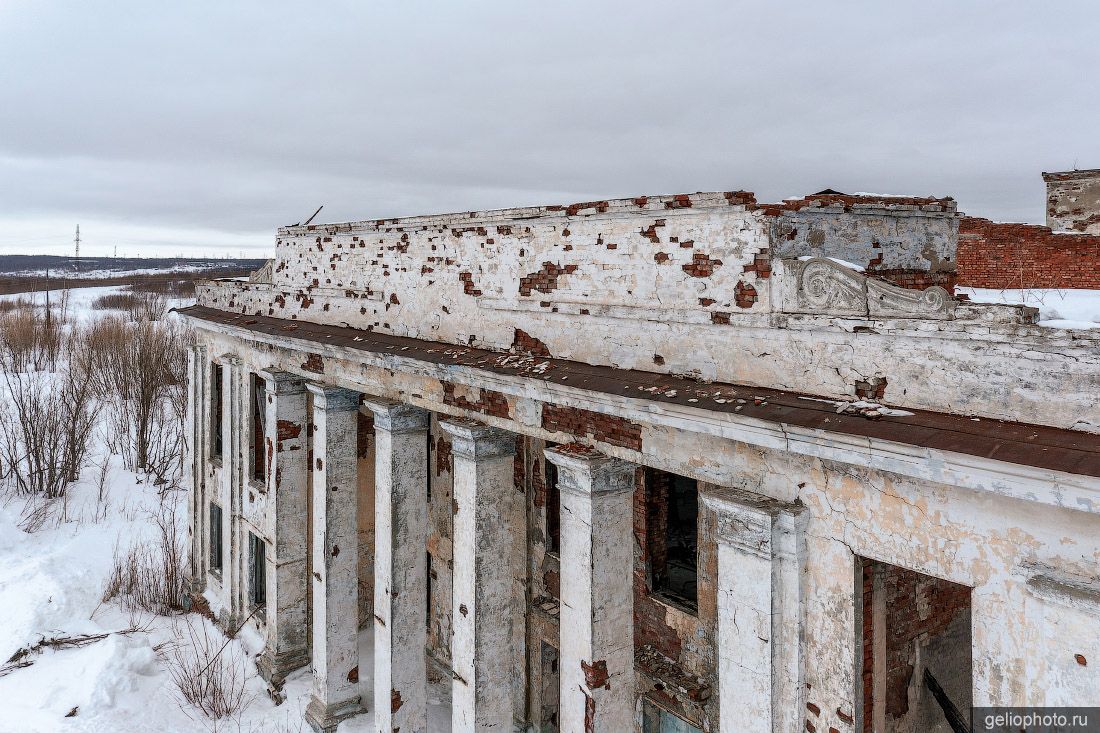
{"x":199,"y":127}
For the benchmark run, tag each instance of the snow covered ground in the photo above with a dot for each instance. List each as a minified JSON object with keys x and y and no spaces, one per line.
{"x":51,"y":584}
{"x":1062,"y":308}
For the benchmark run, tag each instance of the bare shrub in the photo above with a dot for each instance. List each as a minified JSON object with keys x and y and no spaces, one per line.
{"x":45,"y":427}
{"x":175,"y":288}
{"x":151,"y":575}
{"x":115,"y":301}
{"x":31,"y":340}
{"x":140,"y":306}
{"x":209,"y":673}
{"x":139,"y":370}
{"x":16,"y":304}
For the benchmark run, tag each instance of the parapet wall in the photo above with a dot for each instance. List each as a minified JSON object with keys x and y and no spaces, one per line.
{"x":996,"y":255}
{"x":710,"y":286}
{"x":1073,"y":201}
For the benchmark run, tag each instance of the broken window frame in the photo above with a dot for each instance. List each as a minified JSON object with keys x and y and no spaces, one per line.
{"x":217,"y":413}
{"x":657,"y":538}
{"x":215,"y":536}
{"x":258,"y":430}
{"x":553,"y":505}
{"x":257,"y":571}
{"x":657,"y":718}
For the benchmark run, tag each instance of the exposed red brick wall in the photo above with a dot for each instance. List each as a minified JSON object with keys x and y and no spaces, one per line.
{"x":917,"y":607}
{"x":916,"y":279}
{"x":525,"y":343}
{"x":544,"y":280}
{"x":650,"y":626}
{"x":605,"y":428}
{"x":994,"y":255}
{"x":489,"y":402}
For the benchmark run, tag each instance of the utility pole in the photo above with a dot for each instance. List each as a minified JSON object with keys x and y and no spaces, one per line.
{"x":76,"y":264}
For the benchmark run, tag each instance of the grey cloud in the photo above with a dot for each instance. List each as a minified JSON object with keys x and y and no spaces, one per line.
{"x":243,"y":116}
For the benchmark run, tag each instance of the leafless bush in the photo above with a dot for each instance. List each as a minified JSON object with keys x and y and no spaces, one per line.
{"x":31,"y":340}
{"x":115,"y":301}
{"x":209,"y":673}
{"x":46,"y":422}
{"x":141,"y":306}
{"x":139,"y":370}
{"x":151,"y":575}
{"x":181,"y":288}
{"x":16,"y":304}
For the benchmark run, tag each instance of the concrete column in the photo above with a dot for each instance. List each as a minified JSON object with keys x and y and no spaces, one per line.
{"x":400,"y":566}
{"x":759,"y":612}
{"x":198,"y":371}
{"x":231,"y":491}
{"x":285,"y":446}
{"x":597,"y":593}
{"x":488,"y":527}
{"x":335,"y":559}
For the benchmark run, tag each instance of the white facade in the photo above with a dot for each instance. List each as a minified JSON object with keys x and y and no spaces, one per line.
{"x":703,"y":337}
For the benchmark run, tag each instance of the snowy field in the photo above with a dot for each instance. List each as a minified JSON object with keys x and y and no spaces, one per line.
{"x":52,"y":582}
{"x":1062,"y":308}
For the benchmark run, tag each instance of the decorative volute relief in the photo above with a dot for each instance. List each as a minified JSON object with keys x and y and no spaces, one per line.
{"x":824,"y":287}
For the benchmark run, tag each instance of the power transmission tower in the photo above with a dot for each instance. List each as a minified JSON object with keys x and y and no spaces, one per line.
{"x":76,"y":260}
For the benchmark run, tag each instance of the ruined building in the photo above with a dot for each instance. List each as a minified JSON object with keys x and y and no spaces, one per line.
{"x":664,"y":464}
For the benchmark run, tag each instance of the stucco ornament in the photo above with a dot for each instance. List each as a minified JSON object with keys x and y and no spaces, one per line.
{"x":826,"y":287}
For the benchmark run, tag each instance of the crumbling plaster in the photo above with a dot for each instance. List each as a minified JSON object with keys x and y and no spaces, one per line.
{"x":1073,"y":201}
{"x":462,"y":282}
{"x":1030,"y":561}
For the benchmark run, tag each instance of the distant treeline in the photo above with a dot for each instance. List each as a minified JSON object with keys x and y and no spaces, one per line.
{"x":15,"y":264}
{"x":171,"y":283}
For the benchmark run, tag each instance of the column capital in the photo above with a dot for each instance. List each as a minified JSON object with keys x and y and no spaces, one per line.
{"x":585,"y":470}
{"x":281,"y":383}
{"x":398,"y":417}
{"x":335,"y":399}
{"x":471,"y":439}
{"x":747,"y":521}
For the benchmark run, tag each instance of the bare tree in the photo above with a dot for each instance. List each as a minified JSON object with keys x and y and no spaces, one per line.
{"x":139,"y":369}
{"x":45,"y":424}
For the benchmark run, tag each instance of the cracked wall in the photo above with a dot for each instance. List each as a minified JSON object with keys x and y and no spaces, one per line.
{"x":1073,"y":201}
{"x":708,"y":307}
{"x":1036,"y":597}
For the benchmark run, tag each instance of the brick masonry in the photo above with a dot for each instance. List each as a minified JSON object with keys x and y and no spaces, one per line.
{"x":995,"y":255}
{"x":605,"y":428}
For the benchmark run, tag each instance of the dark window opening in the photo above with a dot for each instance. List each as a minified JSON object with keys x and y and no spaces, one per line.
{"x":672,"y":537}
{"x":656,"y":719}
{"x":428,"y":602}
{"x":917,"y":650}
{"x":216,"y":411}
{"x":257,"y":570}
{"x":428,"y":455}
{"x":550,"y":689}
{"x":259,"y":423}
{"x":215,"y":537}
{"x":553,"y":505}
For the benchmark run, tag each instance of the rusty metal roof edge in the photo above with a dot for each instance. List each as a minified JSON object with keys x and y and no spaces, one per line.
{"x":979,"y":440}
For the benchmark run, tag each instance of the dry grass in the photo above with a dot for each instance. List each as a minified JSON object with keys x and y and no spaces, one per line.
{"x":181,"y":288}
{"x":16,"y":304}
{"x":151,"y":575}
{"x":139,"y":305}
{"x":31,"y":340}
{"x":209,"y":673}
